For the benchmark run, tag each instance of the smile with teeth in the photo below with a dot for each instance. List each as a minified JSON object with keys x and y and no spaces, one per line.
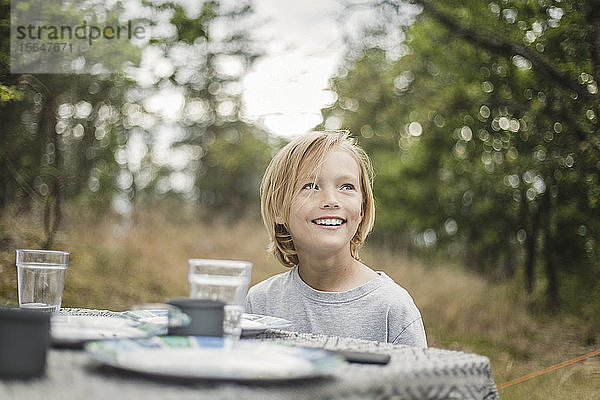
{"x":329,"y":221}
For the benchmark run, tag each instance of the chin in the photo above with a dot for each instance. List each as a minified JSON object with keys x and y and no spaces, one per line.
{"x":328,"y":248}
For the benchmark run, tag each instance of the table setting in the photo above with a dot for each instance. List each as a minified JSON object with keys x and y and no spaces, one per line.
{"x":205,"y":346}
{"x":72,"y":327}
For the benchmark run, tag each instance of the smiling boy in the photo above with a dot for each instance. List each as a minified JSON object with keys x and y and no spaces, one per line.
{"x":317,"y":205}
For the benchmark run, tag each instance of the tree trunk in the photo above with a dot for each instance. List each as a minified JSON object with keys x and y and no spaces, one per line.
{"x":530,"y":262}
{"x":552,"y":295}
{"x":509,"y":261}
{"x":530,"y":220}
{"x":52,"y":205}
{"x":593,"y":18}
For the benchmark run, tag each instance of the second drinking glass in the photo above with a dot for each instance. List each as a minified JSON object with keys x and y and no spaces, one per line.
{"x":222,"y":280}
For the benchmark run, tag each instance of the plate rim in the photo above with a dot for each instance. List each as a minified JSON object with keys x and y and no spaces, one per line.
{"x":284,"y":323}
{"x":78,"y":341}
{"x":109,"y":356}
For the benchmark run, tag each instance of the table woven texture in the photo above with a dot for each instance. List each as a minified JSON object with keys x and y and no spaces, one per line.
{"x":413,"y":373}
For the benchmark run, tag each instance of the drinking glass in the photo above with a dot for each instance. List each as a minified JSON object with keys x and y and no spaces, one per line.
{"x":222,"y":280}
{"x":41,"y":278}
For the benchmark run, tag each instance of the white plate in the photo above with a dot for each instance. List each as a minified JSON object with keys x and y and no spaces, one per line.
{"x":74,"y":327}
{"x":72,"y":330}
{"x":198,"y":357}
{"x":253,"y":324}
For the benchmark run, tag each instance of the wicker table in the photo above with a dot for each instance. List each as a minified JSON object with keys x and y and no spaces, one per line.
{"x":411,"y":374}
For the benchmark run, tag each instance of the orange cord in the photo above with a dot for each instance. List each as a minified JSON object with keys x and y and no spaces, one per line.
{"x":546,"y":370}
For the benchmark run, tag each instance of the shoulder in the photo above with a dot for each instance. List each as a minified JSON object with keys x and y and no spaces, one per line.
{"x":275,"y":282}
{"x":271,"y":291}
{"x":404,"y":317}
{"x":392,"y":292}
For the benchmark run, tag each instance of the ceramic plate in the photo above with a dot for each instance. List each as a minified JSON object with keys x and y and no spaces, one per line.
{"x":253,"y":324}
{"x":198,"y":357}
{"x":74,"y":330}
{"x":74,"y":327}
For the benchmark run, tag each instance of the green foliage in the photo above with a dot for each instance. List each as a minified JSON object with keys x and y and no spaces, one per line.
{"x":190,"y":29}
{"x":9,"y":93}
{"x":229,"y":179}
{"x":482,"y":125}
{"x":98,"y":138}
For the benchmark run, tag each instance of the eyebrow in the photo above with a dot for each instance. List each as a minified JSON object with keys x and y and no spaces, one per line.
{"x":349,"y":177}
{"x":341,"y":178}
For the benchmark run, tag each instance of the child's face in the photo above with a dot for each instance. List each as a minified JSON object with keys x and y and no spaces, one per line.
{"x":325,"y":214}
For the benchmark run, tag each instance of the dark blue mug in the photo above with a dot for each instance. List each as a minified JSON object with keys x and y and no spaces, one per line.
{"x":24,"y":342}
{"x":206,"y":317}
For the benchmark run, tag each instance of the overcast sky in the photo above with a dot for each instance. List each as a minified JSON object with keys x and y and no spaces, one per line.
{"x":286,"y":89}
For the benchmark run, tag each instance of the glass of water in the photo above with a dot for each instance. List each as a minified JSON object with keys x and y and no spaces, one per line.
{"x":222,"y":280}
{"x":41,"y":278}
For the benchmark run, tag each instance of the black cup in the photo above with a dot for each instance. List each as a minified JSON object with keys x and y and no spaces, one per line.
{"x":206,"y":317}
{"x":24,"y":342}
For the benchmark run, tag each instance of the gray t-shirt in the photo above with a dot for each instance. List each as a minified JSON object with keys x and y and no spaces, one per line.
{"x":379,"y":310}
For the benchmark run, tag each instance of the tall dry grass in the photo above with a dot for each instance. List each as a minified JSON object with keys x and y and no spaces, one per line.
{"x":465,"y":312}
{"x":118,"y":263}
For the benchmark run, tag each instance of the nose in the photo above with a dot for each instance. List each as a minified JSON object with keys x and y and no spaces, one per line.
{"x":329,"y":200}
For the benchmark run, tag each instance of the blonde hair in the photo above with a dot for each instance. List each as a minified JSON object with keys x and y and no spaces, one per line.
{"x":279,"y":184}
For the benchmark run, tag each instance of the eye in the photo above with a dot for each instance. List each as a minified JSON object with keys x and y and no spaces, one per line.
{"x":311,"y":185}
{"x":347,"y":186}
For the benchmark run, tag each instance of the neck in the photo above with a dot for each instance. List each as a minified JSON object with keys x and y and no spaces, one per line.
{"x":334,"y":274}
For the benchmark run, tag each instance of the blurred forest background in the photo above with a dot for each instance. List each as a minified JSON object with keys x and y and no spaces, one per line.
{"x":481,"y":118}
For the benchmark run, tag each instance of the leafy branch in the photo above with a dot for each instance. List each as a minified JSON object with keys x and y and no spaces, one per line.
{"x":502,"y":46}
